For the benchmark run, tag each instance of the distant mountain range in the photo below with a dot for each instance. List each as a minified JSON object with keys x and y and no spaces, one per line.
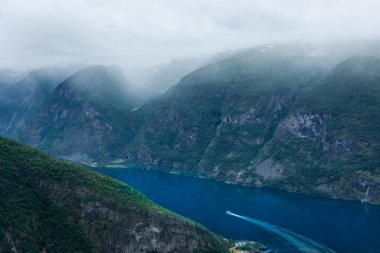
{"x":293,"y":117}
{"x":84,"y":117}
{"x":22,"y":96}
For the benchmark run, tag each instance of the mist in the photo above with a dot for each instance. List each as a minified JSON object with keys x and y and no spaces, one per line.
{"x":145,"y":33}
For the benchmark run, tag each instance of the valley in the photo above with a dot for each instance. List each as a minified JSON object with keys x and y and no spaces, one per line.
{"x":278,"y":118}
{"x":196,"y":126}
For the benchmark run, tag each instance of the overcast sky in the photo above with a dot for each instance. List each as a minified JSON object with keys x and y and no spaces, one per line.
{"x":147,"y":32}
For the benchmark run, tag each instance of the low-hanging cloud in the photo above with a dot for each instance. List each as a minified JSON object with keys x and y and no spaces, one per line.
{"x":146,"y":32}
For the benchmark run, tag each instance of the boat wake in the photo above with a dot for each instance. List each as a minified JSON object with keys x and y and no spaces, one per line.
{"x":297,"y":242}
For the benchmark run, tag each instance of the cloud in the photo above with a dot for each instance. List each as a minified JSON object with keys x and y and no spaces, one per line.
{"x":146,"y":32}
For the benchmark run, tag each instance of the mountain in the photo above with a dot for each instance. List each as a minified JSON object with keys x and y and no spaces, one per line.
{"x":291,"y":117}
{"x":329,"y":142}
{"x":24,"y":97}
{"x":215,"y":120}
{"x":48,"y":205}
{"x":273,"y":117}
{"x":85,"y":116}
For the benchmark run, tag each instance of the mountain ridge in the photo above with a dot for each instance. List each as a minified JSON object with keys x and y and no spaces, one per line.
{"x":234,"y":121}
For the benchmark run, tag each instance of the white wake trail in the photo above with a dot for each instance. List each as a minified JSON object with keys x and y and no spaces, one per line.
{"x":299,"y":242}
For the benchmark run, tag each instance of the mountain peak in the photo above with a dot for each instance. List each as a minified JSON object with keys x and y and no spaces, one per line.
{"x":98,"y":82}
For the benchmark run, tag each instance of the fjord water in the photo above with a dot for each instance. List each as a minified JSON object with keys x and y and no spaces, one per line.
{"x":342,"y":226}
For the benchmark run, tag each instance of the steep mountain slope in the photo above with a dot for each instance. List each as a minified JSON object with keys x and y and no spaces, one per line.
{"x":217,"y":118}
{"x":330,"y":142}
{"x":262,"y":118}
{"x":52,"y":206}
{"x":84,"y":117}
{"x":23,"y":98}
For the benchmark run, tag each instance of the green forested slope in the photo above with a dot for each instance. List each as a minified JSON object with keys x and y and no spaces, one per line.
{"x":52,"y":206}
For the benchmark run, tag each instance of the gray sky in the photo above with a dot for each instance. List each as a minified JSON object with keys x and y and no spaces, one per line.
{"x":147,"y":32}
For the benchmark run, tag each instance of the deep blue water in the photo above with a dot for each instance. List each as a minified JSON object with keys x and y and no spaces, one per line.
{"x":342,"y":226}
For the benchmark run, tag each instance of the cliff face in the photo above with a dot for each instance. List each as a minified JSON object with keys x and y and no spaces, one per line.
{"x":328,"y":143}
{"x":52,"y":206}
{"x":241,"y":133}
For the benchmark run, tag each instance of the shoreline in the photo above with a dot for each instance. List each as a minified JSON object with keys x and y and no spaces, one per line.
{"x":195,"y":175}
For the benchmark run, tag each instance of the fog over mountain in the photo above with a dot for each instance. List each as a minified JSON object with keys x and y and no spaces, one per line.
{"x":146,"y":33}
{"x":266,"y":111}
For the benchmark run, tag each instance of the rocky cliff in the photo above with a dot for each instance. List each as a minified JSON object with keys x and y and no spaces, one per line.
{"x":329,"y":142}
